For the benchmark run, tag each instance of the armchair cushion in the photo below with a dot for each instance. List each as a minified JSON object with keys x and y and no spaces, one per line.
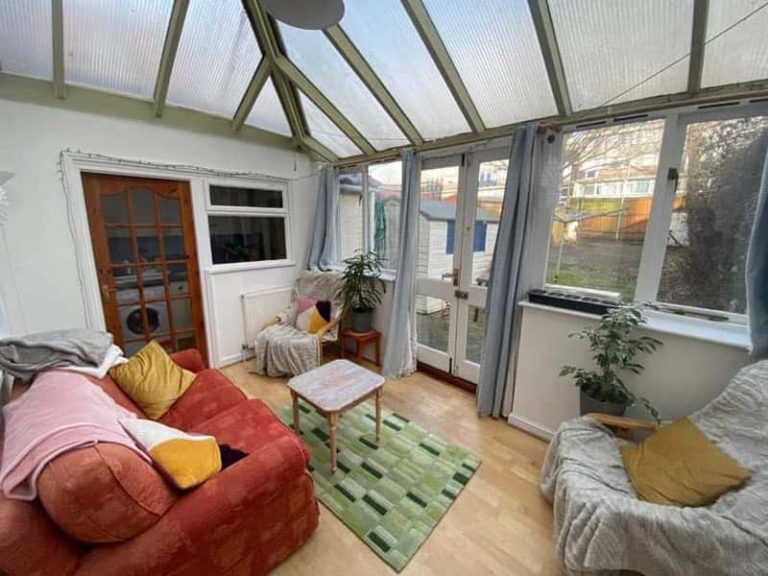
{"x":312,"y":315}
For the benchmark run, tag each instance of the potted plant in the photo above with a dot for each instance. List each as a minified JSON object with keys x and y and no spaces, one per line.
{"x":615,"y":350}
{"x":362,"y":288}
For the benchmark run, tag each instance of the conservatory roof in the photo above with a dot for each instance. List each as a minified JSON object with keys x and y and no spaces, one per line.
{"x":393,"y":73}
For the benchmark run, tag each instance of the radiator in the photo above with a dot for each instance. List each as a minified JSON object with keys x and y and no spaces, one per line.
{"x":260,"y":306}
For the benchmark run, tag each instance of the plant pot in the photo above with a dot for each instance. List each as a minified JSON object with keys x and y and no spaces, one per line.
{"x":589,"y":404}
{"x":362,"y":320}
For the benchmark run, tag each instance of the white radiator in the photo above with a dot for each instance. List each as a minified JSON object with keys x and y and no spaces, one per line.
{"x":260,"y":306}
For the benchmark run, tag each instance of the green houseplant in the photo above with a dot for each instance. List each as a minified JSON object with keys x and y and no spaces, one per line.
{"x":615,"y":349}
{"x":362,"y":288}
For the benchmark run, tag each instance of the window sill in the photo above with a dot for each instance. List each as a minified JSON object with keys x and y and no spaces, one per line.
{"x":388,"y":276}
{"x":216,"y":269}
{"x":725,"y":333}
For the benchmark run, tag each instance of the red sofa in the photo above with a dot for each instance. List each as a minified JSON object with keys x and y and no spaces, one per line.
{"x":103,"y":510}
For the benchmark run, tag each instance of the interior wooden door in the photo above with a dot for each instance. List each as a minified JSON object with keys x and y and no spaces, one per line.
{"x":143,"y":238}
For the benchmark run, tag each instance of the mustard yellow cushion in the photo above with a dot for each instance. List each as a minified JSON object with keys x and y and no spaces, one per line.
{"x":679,"y":466}
{"x":152,"y":380}
{"x":185,"y":459}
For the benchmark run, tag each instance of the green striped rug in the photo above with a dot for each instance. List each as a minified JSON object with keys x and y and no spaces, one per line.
{"x":391,"y":495}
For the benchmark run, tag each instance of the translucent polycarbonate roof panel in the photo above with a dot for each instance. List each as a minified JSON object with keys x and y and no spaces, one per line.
{"x":737,"y":48}
{"x":25,"y":38}
{"x":115,"y":45}
{"x":623,"y":49}
{"x":494,"y":47}
{"x":316,"y":57}
{"x":383,"y":33}
{"x":267,"y":113}
{"x":326,"y":132}
{"x":217,"y":57}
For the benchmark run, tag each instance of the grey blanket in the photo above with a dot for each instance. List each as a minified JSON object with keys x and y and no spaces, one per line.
{"x":25,"y":356}
{"x":601,"y":526}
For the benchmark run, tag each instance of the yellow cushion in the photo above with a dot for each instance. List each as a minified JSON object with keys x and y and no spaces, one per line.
{"x":679,"y":466}
{"x":152,"y":380}
{"x":186,"y":459}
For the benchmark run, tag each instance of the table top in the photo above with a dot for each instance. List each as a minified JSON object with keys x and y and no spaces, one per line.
{"x":336,"y":385}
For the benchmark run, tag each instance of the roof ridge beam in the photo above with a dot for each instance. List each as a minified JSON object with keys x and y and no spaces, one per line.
{"x":365,"y":72}
{"x":434,"y":44}
{"x":258,"y":80}
{"x":698,"y":45}
{"x":57,"y":32}
{"x":170,"y":48}
{"x":545,"y":31}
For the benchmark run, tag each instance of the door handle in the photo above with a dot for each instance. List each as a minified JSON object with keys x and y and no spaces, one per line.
{"x":461,"y":294}
{"x":106,"y":292}
{"x":455,"y":277}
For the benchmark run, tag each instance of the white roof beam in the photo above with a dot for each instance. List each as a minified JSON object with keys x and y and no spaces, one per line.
{"x":57,"y":31}
{"x":545,"y":31}
{"x":170,"y":48}
{"x":698,"y":44}
{"x":258,"y":80}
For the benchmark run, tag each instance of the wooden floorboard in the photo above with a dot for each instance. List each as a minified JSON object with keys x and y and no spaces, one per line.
{"x":499,"y":524}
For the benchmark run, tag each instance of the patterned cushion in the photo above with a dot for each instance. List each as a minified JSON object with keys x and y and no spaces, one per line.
{"x":312,"y":315}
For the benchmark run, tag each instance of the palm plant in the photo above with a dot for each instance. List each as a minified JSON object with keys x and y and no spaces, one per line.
{"x":362,"y":287}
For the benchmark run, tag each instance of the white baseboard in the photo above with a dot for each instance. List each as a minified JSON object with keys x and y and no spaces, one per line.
{"x":531,"y":427}
{"x":229,"y":360}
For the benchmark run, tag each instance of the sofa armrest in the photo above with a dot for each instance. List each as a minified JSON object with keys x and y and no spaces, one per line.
{"x":190,"y":359}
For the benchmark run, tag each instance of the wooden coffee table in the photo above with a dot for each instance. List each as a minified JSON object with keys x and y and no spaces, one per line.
{"x":333,"y":388}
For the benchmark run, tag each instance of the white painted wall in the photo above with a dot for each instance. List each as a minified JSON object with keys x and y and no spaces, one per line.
{"x":38,"y":274}
{"x":681,"y":377}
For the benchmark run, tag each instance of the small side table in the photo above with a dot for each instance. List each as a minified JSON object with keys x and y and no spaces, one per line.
{"x":362,"y":339}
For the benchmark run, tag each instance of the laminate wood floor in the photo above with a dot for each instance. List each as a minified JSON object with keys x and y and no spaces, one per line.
{"x":500,"y":524}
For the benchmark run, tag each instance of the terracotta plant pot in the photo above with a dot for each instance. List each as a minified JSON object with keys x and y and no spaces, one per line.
{"x":589,"y":404}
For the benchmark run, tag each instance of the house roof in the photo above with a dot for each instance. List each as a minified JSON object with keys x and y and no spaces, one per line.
{"x":392,"y":73}
{"x":436,"y":210}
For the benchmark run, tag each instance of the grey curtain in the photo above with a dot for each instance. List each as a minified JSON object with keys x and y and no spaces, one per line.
{"x":326,"y":237}
{"x":529,"y":198}
{"x":757,"y":273}
{"x":400,"y":352}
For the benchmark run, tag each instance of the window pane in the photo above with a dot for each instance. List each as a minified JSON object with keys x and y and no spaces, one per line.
{"x":385,"y":185}
{"x":490,"y":195}
{"x":352,"y":213}
{"x":605,"y":203}
{"x":495,"y":48}
{"x":246,"y":238}
{"x":267,"y":113}
{"x":437,"y":218}
{"x":115,"y":44}
{"x":25,"y":38}
{"x":433,"y":317}
{"x":386,"y":38}
{"x":741,"y":53}
{"x":714,"y":211}
{"x":250,"y":197}
{"x":316,"y":57}
{"x":217,"y":57}
{"x":613,"y":51}
{"x":324,"y":131}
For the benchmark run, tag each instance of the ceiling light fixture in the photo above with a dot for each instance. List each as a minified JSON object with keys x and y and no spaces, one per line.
{"x":307,"y":14}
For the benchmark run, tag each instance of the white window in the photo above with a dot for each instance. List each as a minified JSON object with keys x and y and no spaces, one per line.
{"x":248,"y":223}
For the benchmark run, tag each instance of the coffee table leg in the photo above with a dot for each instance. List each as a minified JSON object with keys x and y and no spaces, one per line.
{"x":296,"y":425}
{"x":332,"y":430}
{"x":378,"y":415}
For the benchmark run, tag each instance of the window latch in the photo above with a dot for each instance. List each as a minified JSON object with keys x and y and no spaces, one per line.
{"x":673,"y":174}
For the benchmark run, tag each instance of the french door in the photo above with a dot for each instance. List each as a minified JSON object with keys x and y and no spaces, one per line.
{"x":460,"y":206}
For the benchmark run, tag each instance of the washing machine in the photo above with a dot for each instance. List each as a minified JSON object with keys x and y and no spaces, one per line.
{"x":157,"y":315}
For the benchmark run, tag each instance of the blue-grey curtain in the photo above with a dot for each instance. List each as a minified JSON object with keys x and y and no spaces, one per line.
{"x":532,"y":177}
{"x":326,"y":236}
{"x":757,"y":273}
{"x":400,"y":352}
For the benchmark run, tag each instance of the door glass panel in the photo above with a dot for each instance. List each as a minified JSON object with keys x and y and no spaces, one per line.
{"x":114,"y":209}
{"x":120,"y":245}
{"x":178,"y":279}
{"x":437,"y":222}
{"x":173,"y":243}
{"x":170,"y":210}
{"x":185,"y":341}
{"x":132,"y":348}
{"x":165,"y":341}
{"x":149,"y":245}
{"x":490,"y":196}
{"x":154,"y":289}
{"x":143,"y":206}
{"x":131,"y":321}
{"x":475,"y":332}
{"x":182,"y":314}
{"x":713,"y":213}
{"x":433,"y":317}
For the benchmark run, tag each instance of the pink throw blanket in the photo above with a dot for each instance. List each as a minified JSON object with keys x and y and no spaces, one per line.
{"x":61,"y":411}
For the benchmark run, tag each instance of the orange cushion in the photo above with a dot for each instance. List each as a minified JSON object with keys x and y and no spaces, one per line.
{"x":103,"y":493}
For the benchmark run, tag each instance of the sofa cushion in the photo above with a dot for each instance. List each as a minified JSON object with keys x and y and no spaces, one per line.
{"x":113,"y":391}
{"x":103,"y":493}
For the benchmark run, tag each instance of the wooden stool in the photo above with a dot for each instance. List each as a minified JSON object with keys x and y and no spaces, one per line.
{"x":362,"y":339}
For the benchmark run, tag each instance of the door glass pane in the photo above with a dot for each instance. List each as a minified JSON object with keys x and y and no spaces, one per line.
{"x":170,"y":210}
{"x":713,"y":214}
{"x":152,"y":282}
{"x":120,"y":245}
{"x":249,"y":197}
{"x":247,"y":238}
{"x":185,"y":341}
{"x":182,"y":313}
{"x":143,"y":206}
{"x":490,"y":196}
{"x":131,"y":321}
{"x":351,"y":213}
{"x":25,"y":38}
{"x":149,"y":245}
{"x":114,"y":209}
{"x":385,"y":185}
{"x":132,"y":348}
{"x":173,"y":242}
{"x":178,"y":279}
{"x":475,"y":332}
{"x":437,"y":222}
{"x":433,"y":317}
{"x":606,"y":193}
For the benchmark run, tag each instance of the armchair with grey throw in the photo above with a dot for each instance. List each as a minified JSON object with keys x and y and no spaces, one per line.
{"x":291,"y":343}
{"x":602,"y":524}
